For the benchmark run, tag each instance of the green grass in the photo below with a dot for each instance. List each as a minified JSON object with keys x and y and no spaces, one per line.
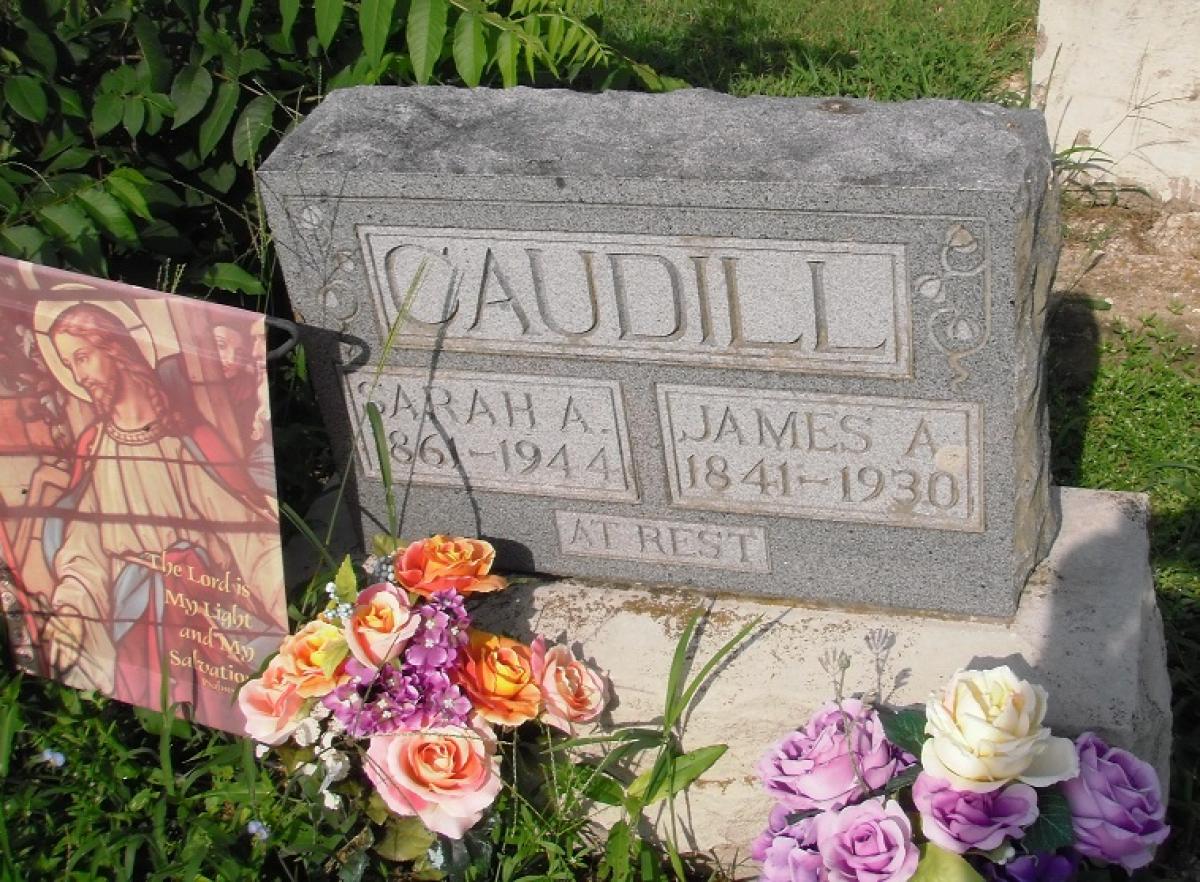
{"x":884,"y":49}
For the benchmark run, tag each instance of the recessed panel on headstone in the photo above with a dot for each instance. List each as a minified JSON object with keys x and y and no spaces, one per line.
{"x":777,"y":347}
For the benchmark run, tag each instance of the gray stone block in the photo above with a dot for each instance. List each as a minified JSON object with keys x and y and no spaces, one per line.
{"x":777,"y":347}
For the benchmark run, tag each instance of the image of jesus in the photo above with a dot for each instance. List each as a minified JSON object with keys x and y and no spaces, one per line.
{"x":160,"y":524}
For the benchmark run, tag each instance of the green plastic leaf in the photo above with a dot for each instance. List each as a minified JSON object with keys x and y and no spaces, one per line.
{"x":252,"y":126}
{"x":231,"y":277}
{"x":155,"y":57}
{"x":470,"y":48}
{"x":688,"y":768}
{"x":26,"y":97}
{"x":65,"y":221}
{"x":107,"y":111}
{"x":375,"y":22}
{"x":346,"y":581}
{"x":938,"y":865}
{"x":218,"y":119}
{"x":288,"y":10}
{"x":425,"y":34}
{"x":190,"y":92}
{"x":134,"y":116}
{"x":383,"y":544}
{"x":22,"y":240}
{"x":333,"y":655}
{"x":1052,"y":830}
{"x":404,"y":839}
{"x":507,"y":50}
{"x":109,"y":214}
{"x":329,"y":16}
{"x":377,"y":809}
{"x":905,"y":728}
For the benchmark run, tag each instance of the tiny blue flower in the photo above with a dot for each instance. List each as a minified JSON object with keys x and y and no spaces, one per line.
{"x":53,"y":757}
{"x":258,"y":830}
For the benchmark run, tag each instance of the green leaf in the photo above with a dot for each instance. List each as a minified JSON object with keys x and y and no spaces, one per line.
{"x":109,"y":214}
{"x":383,"y":544}
{"x":40,"y":48}
{"x":106,"y":113}
{"x":26,"y":97}
{"x":470,"y":48}
{"x":384,"y":456}
{"x":65,"y":221}
{"x":905,"y":728}
{"x":69,"y":102}
{"x":673,"y":707}
{"x":218,"y":119}
{"x":698,"y":681}
{"x":616,"y":851}
{"x":244,"y":15}
{"x":8,"y":196}
{"x":288,"y":10}
{"x":10,"y":723}
{"x":333,"y":655}
{"x":346,"y":581}
{"x":425,"y":34}
{"x":189,"y":93}
{"x":231,"y":277}
{"x":938,"y":865}
{"x":134,"y":116}
{"x":329,"y":16}
{"x":156,"y":59}
{"x":70,"y":159}
{"x":23,"y":240}
{"x":905,"y":779}
{"x":220,"y":178}
{"x":375,"y":23}
{"x":602,"y":787}
{"x":1052,"y":830}
{"x":404,"y":839}
{"x":128,"y":192}
{"x":507,"y":50}
{"x":252,"y":126}
{"x":377,"y":809}
{"x":687,"y":768}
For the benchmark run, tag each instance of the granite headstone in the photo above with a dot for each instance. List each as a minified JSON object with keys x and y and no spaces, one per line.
{"x":774,"y":347}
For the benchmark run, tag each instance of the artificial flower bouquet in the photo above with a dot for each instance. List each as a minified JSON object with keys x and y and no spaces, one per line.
{"x":392,"y":681}
{"x":971,"y":788}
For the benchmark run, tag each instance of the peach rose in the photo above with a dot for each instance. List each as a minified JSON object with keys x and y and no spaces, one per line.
{"x":439,"y":563}
{"x":572,"y":692}
{"x":271,"y":706}
{"x":313,"y":658}
{"x":380,"y":625}
{"x":499,"y":675}
{"x":445,"y":776}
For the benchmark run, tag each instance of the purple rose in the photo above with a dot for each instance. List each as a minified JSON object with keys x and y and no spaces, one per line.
{"x":1033,"y":868}
{"x":869,"y":842}
{"x":789,"y":851}
{"x":958,"y":820}
{"x":1116,"y":805}
{"x":814,"y":767}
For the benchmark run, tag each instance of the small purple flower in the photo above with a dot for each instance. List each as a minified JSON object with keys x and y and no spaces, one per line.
{"x":53,"y":757}
{"x":1033,"y":868}
{"x":959,"y":820}
{"x":442,"y":630}
{"x":790,"y":854}
{"x":258,"y":830}
{"x":826,"y":764}
{"x":1116,"y":805}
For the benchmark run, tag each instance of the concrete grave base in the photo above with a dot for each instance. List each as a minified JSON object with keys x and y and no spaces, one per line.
{"x":1087,"y":629}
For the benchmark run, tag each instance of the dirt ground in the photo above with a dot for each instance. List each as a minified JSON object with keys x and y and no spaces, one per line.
{"x":1132,"y":260}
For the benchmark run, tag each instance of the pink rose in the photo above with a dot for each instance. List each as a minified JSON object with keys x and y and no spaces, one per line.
{"x":271,"y":705}
{"x":571,"y":691}
{"x":381,"y":624}
{"x":819,"y":766}
{"x":446,"y":776}
{"x":868,"y":842}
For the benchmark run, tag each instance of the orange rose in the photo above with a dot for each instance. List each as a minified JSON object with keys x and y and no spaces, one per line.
{"x":439,"y":563}
{"x":500,"y":677}
{"x":446,"y":776}
{"x":271,"y":706}
{"x":573,"y":692}
{"x":313,"y":658}
{"x":381,"y":624}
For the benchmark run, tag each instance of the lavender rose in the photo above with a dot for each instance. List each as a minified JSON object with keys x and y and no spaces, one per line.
{"x":869,"y":842}
{"x":814,"y":767}
{"x":1116,"y":805}
{"x":1033,"y":868}
{"x":789,"y":851}
{"x":959,"y":820}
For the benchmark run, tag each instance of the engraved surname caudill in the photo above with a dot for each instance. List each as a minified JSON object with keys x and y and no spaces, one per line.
{"x":722,"y":546}
{"x":543,"y":435}
{"x":752,"y":303}
{"x":846,"y":458}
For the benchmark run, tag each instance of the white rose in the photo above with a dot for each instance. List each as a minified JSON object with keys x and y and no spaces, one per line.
{"x":986,"y":730}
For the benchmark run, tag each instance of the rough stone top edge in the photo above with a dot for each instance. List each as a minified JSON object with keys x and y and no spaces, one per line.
{"x":692,"y":135}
